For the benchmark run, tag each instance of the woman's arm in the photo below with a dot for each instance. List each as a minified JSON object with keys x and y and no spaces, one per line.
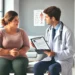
{"x":4,"y":52}
{"x":13,"y":52}
{"x":26,"y":45}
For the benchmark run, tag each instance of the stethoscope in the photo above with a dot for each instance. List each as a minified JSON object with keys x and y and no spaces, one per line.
{"x":61,"y":31}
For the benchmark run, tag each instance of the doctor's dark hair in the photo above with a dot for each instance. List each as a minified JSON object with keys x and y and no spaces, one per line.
{"x":8,"y":17}
{"x":53,"y":11}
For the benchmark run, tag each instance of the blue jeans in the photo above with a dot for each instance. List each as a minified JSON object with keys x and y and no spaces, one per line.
{"x":41,"y":67}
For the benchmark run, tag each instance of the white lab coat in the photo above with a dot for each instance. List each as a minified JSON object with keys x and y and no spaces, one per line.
{"x":63,"y":48}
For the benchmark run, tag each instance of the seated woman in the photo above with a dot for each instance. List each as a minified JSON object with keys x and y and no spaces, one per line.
{"x":14,"y":44}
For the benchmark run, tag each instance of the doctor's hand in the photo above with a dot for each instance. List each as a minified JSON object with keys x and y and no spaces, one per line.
{"x":14,"y":52}
{"x":51,"y":53}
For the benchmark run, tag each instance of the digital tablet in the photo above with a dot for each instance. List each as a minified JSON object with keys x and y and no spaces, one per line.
{"x":40,"y":43}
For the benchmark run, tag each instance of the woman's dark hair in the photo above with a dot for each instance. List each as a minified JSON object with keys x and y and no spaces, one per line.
{"x":53,"y":11}
{"x":8,"y":17}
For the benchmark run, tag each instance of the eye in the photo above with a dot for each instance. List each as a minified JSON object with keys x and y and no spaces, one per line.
{"x":16,"y":20}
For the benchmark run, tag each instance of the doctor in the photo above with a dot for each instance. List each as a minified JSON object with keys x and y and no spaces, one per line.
{"x":59,"y":38}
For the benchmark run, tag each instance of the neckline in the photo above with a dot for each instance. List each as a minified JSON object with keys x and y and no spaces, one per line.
{"x":11,"y":34}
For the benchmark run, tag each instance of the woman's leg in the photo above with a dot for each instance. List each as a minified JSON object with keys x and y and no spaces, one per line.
{"x":20,"y":65}
{"x":5,"y":66}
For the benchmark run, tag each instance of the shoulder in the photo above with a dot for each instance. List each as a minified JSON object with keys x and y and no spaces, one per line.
{"x":22,"y":31}
{"x":67,"y":30}
{"x":1,"y":31}
{"x":48,"y":28}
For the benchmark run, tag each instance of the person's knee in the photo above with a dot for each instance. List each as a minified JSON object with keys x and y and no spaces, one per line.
{"x":20,"y":63}
{"x":4,"y":63}
{"x":36,"y":66}
{"x":51,"y":69}
{"x":20,"y":66}
{"x":39,"y":68}
{"x":55,"y":68}
{"x":5,"y":66}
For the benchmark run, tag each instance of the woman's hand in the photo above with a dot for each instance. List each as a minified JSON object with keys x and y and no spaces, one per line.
{"x":14,"y":52}
{"x":51,"y":53}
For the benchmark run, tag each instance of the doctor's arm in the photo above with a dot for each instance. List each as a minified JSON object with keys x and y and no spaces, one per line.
{"x":68,"y":48}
